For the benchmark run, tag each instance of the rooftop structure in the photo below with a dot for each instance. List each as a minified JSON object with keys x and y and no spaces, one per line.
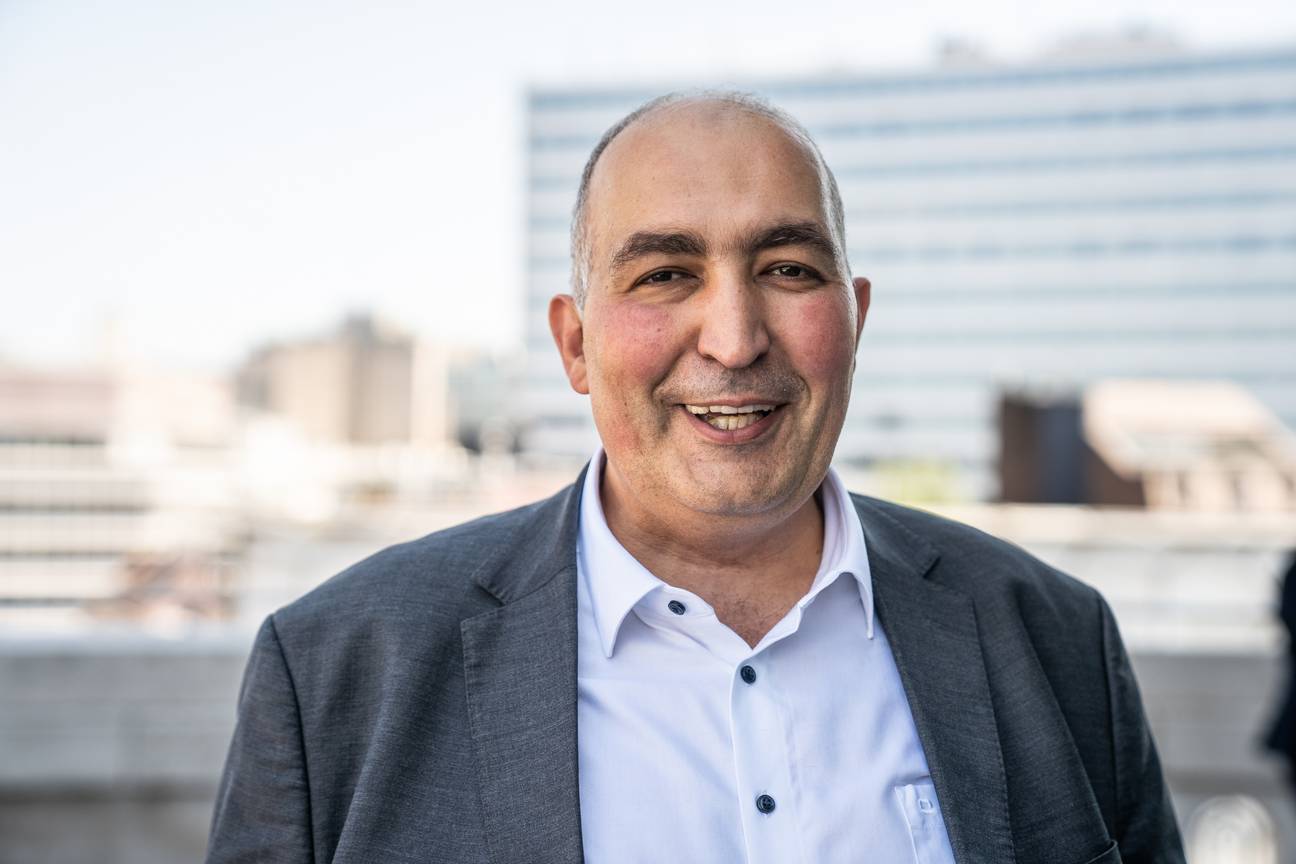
{"x":1164,"y":445}
{"x":1193,"y":445}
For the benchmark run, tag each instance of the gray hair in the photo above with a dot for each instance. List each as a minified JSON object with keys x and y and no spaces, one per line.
{"x":748,"y":102}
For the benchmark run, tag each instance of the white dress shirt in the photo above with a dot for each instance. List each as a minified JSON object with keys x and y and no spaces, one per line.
{"x":696,"y":747}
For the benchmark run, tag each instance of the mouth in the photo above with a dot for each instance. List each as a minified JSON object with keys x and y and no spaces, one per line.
{"x":730,"y":418}
{"x":744,"y":423}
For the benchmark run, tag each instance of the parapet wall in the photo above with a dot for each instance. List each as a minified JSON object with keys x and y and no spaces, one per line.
{"x":110,"y":748}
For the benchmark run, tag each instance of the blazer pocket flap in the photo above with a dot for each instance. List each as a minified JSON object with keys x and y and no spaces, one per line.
{"x":1110,"y":855}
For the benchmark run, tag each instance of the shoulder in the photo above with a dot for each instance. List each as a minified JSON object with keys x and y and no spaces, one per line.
{"x":1028,"y":614}
{"x":991,"y":570}
{"x":428,"y":580}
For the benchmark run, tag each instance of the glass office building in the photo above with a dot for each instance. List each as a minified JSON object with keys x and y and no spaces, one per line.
{"x":1033,"y":226}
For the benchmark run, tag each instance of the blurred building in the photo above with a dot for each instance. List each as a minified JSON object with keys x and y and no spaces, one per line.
{"x":363,"y":384}
{"x":113,"y":500}
{"x":129,"y":492}
{"x":1165,"y":445}
{"x":1121,"y":208}
{"x":63,"y":507}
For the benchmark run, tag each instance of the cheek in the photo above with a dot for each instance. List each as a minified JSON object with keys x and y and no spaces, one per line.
{"x":632,"y":356}
{"x":820,"y":339}
{"x":636,"y":346}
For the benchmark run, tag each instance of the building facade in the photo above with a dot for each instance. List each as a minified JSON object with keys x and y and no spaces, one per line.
{"x":364,"y":384}
{"x":1088,"y":216}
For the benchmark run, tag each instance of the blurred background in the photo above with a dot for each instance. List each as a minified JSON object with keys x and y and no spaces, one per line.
{"x":274,"y":279}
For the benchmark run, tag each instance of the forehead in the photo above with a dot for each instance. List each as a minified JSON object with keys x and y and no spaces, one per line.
{"x":708,"y":167}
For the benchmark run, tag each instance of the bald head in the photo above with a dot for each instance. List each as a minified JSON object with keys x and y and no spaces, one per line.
{"x":695,"y":107}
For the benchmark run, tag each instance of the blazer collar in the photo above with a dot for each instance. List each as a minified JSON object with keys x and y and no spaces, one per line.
{"x":536,"y":548}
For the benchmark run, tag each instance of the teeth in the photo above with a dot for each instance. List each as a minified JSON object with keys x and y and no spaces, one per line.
{"x":727,"y":418}
{"x":730,"y":422}
{"x":728,"y":409}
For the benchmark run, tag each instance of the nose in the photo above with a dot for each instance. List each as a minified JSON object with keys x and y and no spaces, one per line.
{"x":733,"y":328}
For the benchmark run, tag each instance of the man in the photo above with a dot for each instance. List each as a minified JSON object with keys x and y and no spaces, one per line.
{"x":705,"y":650}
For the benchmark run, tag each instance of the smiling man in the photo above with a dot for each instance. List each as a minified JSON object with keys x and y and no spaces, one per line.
{"x":706,"y":649}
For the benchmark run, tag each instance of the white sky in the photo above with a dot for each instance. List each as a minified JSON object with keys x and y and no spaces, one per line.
{"x":212,"y":174}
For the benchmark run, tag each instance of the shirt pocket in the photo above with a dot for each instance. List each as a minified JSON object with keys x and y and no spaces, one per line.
{"x":922,"y":815}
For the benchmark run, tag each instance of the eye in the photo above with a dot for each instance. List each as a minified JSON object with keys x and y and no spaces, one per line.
{"x":793,"y":271}
{"x":661,"y":277}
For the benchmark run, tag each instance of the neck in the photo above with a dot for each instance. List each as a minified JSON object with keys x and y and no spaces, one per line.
{"x":750,"y":569}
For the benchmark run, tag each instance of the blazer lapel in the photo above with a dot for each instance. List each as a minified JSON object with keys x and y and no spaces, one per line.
{"x":520,"y":678}
{"x":933,"y":634}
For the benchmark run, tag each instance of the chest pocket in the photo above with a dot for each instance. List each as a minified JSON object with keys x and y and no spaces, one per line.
{"x":922,"y":814}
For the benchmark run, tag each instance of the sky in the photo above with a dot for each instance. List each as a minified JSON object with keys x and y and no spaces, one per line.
{"x":185,"y":180}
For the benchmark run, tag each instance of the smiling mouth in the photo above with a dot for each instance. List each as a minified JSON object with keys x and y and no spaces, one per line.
{"x":729,"y":418}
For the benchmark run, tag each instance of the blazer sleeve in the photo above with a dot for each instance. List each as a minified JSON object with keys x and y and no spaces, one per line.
{"x":1146,"y":829}
{"x":262,"y":809}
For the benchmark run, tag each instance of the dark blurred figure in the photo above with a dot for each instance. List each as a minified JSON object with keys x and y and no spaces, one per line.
{"x":1282,"y":733}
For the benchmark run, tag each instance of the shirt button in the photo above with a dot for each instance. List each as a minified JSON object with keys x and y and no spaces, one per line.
{"x":748,"y":674}
{"x":676,"y":606}
{"x":765,"y":804}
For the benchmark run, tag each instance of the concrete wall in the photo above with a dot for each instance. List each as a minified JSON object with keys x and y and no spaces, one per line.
{"x":110,"y":748}
{"x":1208,"y":713}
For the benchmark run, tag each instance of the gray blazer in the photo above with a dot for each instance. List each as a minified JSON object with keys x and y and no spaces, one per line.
{"x":420,"y":706}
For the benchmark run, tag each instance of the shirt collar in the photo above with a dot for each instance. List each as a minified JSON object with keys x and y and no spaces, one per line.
{"x":844,"y":550}
{"x":617,"y":582}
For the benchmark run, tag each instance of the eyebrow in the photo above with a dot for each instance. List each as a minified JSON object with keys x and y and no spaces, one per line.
{"x":642,"y":243}
{"x":794,"y":234}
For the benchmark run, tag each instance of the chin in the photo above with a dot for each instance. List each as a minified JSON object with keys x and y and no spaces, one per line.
{"x":726,"y":498}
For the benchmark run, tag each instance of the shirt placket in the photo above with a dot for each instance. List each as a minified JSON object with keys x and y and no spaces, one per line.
{"x":758,"y":723}
{"x":762,"y":761}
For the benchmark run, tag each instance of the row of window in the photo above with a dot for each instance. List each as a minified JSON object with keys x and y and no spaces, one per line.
{"x":1191,"y":336}
{"x":61,"y":554}
{"x":1118,"y":299}
{"x":857,"y":421}
{"x":11,"y":440}
{"x":541,"y":222}
{"x":1142,"y":115}
{"x":1071,"y":162}
{"x":935,"y":82}
{"x":1275,"y":385}
{"x":1238,"y":243}
{"x":1048,"y":294}
{"x":1268,"y":380}
{"x":73,"y":507}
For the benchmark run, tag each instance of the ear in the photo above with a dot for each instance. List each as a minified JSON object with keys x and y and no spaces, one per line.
{"x":569,"y":335}
{"x":863,"y":294}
